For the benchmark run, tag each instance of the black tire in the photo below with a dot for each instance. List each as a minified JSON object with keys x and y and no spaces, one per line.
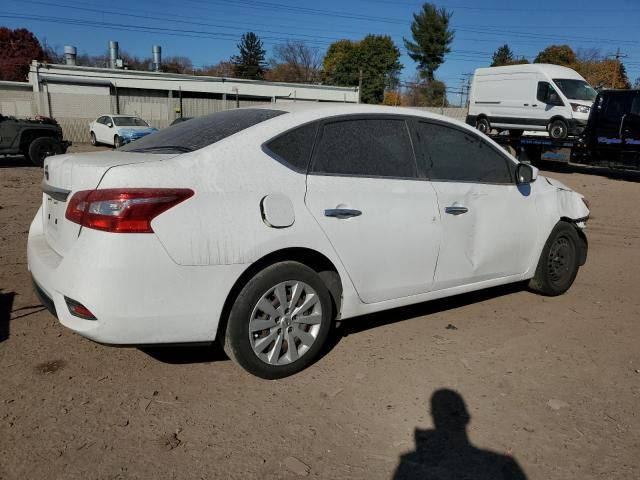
{"x":559,"y":261}
{"x":117,"y":141}
{"x":41,"y":148}
{"x":94,"y":142}
{"x":483,"y":125}
{"x":558,"y":129}
{"x":237,"y":341}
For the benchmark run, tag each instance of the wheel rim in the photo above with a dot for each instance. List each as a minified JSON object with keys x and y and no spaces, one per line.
{"x":93,"y":139}
{"x":561,"y":260}
{"x":557,"y":130}
{"x":285,"y":323}
{"x":483,"y":126}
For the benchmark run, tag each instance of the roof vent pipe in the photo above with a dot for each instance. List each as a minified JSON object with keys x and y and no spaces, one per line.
{"x":70,"y":54}
{"x":113,"y":54}
{"x":157,"y":57}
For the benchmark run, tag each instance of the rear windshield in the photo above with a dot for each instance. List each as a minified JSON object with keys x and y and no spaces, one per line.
{"x":199,"y":132}
{"x":129,"y":122}
{"x":576,"y":89}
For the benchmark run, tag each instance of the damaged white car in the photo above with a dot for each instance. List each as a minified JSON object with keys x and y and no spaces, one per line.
{"x":259,"y":227}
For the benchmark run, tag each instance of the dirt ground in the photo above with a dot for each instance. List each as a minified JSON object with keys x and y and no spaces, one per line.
{"x":551,"y":385}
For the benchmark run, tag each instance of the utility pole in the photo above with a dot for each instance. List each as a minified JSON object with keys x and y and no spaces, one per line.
{"x":616,"y":67}
{"x":461,"y":91}
{"x":360,"y":87}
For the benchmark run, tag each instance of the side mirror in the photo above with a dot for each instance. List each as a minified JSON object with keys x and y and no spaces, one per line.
{"x":109,"y":124}
{"x":525,"y":174}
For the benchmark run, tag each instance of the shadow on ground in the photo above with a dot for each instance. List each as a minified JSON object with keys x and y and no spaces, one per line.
{"x":445,"y":452}
{"x":12,"y":161}
{"x":6,"y":305}
{"x":184,"y":354}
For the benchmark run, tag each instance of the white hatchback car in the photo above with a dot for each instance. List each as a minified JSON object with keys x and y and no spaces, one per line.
{"x":258,"y":227}
{"x":118,"y":130}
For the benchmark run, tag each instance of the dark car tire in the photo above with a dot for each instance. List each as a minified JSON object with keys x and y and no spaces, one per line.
{"x":41,"y":148}
{"x":117,"y":141}
{"x":483,"y":125}
{"x":94,"y":142}
{"x":558,"y":129}
{"x":238,"y":341}
{"x":559,"y":261}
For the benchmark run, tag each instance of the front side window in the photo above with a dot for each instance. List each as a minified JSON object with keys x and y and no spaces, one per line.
{"x":370,"y":147}
{"x":576,"y":89}
{"x":547,"y":94}
{"x":129,"y":122}
{"x":449,"y":154}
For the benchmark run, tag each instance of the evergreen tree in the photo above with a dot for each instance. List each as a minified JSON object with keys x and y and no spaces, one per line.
{"x":250,"y":62}
{"x":502,"y":56}
{"x":432,"y":39}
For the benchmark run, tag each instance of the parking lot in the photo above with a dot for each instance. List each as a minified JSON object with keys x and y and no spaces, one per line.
{"x":553,"y":383}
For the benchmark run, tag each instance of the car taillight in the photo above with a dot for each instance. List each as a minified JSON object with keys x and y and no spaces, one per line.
{"x":123,"y":210}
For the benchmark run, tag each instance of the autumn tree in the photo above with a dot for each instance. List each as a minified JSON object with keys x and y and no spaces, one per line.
{"x":431,"y":39}
{"x":294,"y":61}
{"x":376,"y":56}
{"x":425,"y":93}
{"x":249,"y":63}
{"x":17,"y":49}
{"x":557,"y":55}
{"x":220,"y":69}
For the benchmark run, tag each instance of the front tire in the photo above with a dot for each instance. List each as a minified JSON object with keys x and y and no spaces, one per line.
{"x":41,"y":148}
{"x":94,"y":142}
{"x":117,"y":141}
{"x":559,"y":262}
{"x":279,"y":321}
{"x":558,"y":129}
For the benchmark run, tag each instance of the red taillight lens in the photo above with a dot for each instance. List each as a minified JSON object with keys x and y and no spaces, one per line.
{"x":123,"y":210}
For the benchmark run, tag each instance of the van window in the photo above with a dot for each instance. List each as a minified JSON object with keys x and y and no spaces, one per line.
{"x":547,"y":94}
{"x":576,"y":89}
{"x":369,"y":147}
{"x":452,"y":155}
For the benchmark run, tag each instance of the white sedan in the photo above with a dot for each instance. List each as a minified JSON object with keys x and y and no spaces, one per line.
{"x":258,"y":227}
{"x":118,"y":130}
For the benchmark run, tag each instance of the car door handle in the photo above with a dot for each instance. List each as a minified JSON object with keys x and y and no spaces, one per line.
{"x":342,"y":213}
{"x":534,"y":105}
{"x":526,"y":104}
{"x":455,"y":210}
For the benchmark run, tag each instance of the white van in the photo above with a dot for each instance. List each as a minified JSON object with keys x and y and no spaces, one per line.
{"x":530,"y":97}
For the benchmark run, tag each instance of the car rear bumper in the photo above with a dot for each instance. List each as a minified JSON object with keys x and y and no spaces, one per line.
{"x":138,"y":295}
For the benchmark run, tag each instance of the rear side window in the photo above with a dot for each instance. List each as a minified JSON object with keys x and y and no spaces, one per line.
{"x":294,"y":147}
{"x":450,"y":154}
{"x":373,"y":147}
{"x":200,"y":132}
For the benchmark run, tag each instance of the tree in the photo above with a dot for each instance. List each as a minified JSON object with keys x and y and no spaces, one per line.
{"x":427,"y":93}
{"x":376,"y":56}
{"x":220,"y":69}
{"x":432,"y":38}
{"x":17,"y":49}
{"x":294,"y":61}
{"x":504,"y":56}
{"x":176,"y":64}
{"x":250,"y":62}
{"x":557,"y":55}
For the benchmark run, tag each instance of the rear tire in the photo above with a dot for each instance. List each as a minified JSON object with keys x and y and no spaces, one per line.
{"x":483,"y":125}
{"x":271,"y":338}
{"x":94,"y":142}
{"x":41,"y":148}
{"x":559,"y":262}
{"x":558,"y":129}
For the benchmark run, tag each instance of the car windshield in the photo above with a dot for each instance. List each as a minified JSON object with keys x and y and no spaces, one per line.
{"x":200,"y":132}
{"x":576,"y":89}
{"x":129,"y":122}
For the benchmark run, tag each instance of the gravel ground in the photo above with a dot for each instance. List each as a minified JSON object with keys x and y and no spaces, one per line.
{"x":551,"y":385}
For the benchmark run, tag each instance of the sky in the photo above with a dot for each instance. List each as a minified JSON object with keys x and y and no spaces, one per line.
{"x":207,"y":31}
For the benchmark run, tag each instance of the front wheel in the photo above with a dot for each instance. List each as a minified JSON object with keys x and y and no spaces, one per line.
{"x":117,"y":141}
{"x":558,"y":129}
{"x":559,"y":262}
{"x":279,"y":321}
{"x":41,"y":148}
{"x":94,"y":142}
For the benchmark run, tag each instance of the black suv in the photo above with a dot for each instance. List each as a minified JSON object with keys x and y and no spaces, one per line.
{"x":36,"y":138}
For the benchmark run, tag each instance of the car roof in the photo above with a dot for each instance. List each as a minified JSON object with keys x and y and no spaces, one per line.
{"x":117,"y":115}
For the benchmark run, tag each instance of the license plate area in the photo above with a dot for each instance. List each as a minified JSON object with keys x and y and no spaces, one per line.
{"x":53,"y":215}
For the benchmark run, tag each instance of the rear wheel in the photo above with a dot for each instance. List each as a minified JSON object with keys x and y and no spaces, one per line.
{"x":558,"y":129}
{"x":94,"y":142}
{"x":41,"y":148}
{"x":483,"y":125}
{"x":117,"y":141}
{"x":559,"y":262}
{"x":279,"y":321}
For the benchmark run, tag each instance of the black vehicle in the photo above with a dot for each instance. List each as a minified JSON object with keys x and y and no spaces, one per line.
{"x":611,"y":137}
{"x":36,"y":138}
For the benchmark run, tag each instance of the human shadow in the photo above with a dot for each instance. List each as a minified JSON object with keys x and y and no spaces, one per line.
{"x":6,"y":305}
{"x":445,"y":452}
